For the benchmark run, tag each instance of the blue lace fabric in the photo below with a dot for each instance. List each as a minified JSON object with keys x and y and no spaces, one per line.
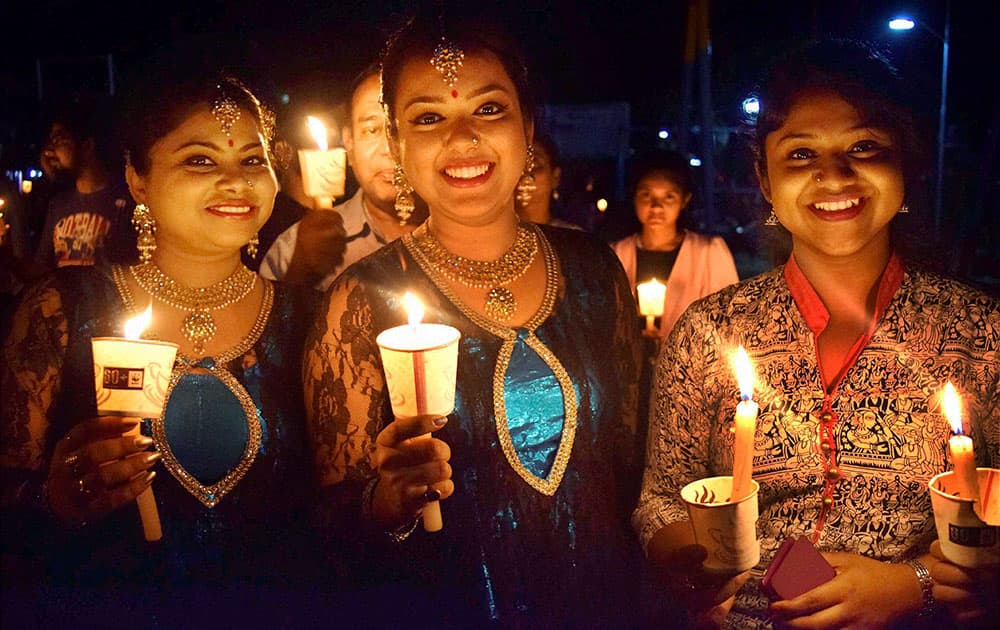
{"x":256,"y":530}
{"x":509,"y":554}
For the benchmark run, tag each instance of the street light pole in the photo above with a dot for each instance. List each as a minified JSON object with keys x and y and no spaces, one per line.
{"x":905,"y":23}
{"x":942,"y":122}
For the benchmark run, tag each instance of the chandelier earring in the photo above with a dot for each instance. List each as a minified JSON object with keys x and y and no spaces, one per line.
{"x":772,"y":219}
{"x":526,"y":185}
{"x":904,"y":209}
{"x":145,"y":228}
{"x":404,"y":194}
{"x":252,"y":246}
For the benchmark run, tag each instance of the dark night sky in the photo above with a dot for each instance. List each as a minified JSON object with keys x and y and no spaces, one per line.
{"x":626,"y":50}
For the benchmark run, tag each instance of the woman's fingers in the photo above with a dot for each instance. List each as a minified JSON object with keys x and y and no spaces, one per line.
{"x":403,"y":429}
{"x":113,"y":498}
{"x":99,"y":452}
{"x":412,"y":453}
{"x":115,"y":473}
{"x":92,"y":429}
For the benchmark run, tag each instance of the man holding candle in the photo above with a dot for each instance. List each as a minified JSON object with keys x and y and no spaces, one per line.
{"x":849,"y":347}
{"x":305,"y":253}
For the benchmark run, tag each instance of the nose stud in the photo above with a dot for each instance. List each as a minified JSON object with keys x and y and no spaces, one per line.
{"x":475,"y":140}
{"x":818,"y":177}
{"x":250,"y":183}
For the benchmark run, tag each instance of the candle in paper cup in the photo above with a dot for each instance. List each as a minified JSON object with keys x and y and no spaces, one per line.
{"x":324,"y":170}
{"x":421,"y":364}
{"x":131,"y":377}
{"x":969,"y":531}
{"x":651,"y":295}
{"x":963,"y":457}
{"x":726,"y":529}
{"x":746,"y":426}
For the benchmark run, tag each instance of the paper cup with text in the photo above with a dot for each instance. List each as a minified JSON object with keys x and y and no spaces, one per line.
{"x":966,"y":539}
{"x":131,"y":376}
{"x":323,"y":172}
{"x":728,"y":531}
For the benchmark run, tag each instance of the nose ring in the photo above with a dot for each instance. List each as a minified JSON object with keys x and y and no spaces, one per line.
{"x":475,"y":140}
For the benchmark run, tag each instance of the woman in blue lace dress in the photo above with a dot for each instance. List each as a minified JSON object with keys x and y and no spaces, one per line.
{"x":226,"y":458}
{"x":535,"y":468}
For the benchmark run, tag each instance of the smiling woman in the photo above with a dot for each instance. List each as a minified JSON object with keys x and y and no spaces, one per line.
{"x":535,"y":466}
{"x":852,"y":346}
{"x":229,"y":443}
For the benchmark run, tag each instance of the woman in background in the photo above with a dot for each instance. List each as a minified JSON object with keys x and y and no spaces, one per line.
{"x":692,"y":265}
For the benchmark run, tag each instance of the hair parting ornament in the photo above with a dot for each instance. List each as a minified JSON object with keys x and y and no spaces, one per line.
{"x":447,"y":58}
{"x":226,"y":111}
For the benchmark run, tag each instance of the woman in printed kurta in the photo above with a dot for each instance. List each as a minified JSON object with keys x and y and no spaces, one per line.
{"x":534,"y":468}
{"x":851,"y":348}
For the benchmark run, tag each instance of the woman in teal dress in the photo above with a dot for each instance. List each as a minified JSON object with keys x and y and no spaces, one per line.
{"x":535,"y":468}
{"x":226,"y":458}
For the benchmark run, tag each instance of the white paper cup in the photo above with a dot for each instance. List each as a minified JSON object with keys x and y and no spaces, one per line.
{"x":965,"y":539}
{"x":421,"y":365}
{"x":728,"y":531}
{"x":131,"y":376}
{"x":323,"y":172}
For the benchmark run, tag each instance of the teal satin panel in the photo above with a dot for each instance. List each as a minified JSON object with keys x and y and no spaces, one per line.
{"x":535,"y":408}
{"x":206,"y":427}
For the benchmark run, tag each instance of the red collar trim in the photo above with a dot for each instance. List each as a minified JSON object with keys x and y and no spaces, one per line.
{"x":815,"y":312}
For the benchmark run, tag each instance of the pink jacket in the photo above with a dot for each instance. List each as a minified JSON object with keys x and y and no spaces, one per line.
{"x":703,"y":266}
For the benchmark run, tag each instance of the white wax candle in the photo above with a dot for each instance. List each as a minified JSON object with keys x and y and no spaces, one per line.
{"x":651,"y":295}
{"x":746,"y":427}
{"x":420,"y":362}
{"x":963,"y":458}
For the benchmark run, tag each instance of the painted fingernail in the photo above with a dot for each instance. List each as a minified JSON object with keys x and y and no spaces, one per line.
{"x":149,"y":458}
{"x":142,"y":441}
{"x":440,"y":422}
{"x":148,"y":479}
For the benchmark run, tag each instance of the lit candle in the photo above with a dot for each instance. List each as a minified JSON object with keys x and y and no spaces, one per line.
{"x":421,"y":364}
{"x":131,"y":378}
{"x":26,"y":186}
{"x":965,"y":480}
{"x":324,"y":169}
{"x":651,"y":296}
{"x":746,"y":426}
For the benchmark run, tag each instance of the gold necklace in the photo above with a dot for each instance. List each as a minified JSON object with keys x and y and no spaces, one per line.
{"x":198,"y":326}
{"x":479,"y":274}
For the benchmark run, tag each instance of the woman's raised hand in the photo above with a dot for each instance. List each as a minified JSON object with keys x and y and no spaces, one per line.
{"x":413,"y":469}
{"x":96,"y":468}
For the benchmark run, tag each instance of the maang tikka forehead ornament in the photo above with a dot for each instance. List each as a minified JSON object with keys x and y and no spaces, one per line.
{"x":226,"y":111}
{"x":447,"y":59}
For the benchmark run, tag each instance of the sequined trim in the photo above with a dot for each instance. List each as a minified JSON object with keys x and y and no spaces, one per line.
{"x":210,"y":495}
{"x":553,"y":280}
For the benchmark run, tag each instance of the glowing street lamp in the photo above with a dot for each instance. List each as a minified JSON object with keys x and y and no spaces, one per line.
{"x":907,"y":23}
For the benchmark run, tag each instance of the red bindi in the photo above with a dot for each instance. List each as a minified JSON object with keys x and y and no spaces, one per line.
{"x":230,"y":142}
{"x":454,"y":93}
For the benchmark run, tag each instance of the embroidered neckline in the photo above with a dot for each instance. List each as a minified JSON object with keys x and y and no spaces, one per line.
{"x":553,"y":279}
{"x":210,"y":495}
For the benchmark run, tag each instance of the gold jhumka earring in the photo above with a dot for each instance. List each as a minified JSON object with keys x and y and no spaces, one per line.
{"x":404,"y":194}
{"x":145,"y":227}
{"x":526,"y":186}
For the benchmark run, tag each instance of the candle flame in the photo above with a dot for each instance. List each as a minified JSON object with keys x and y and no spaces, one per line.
{"x":318,"y":131}
{"x":744,"y":373}
{"x":952,"y":404}
{"x":652,"y":283}
{"x":135,"y":326}
{"x":414,"y":308}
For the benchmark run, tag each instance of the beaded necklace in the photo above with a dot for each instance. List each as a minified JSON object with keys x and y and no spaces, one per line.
{"x":198,"y":326}
{"x":478,"y":274}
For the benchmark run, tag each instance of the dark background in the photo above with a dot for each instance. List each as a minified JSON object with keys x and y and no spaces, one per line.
{"x":580,"y":52}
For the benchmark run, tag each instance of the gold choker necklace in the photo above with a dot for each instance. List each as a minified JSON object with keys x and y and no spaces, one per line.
{"x":495,"y":274}
{"x":198,"y":326}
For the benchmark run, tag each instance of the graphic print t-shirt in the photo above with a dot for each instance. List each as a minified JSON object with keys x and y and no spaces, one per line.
{"x":79,"y":225}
